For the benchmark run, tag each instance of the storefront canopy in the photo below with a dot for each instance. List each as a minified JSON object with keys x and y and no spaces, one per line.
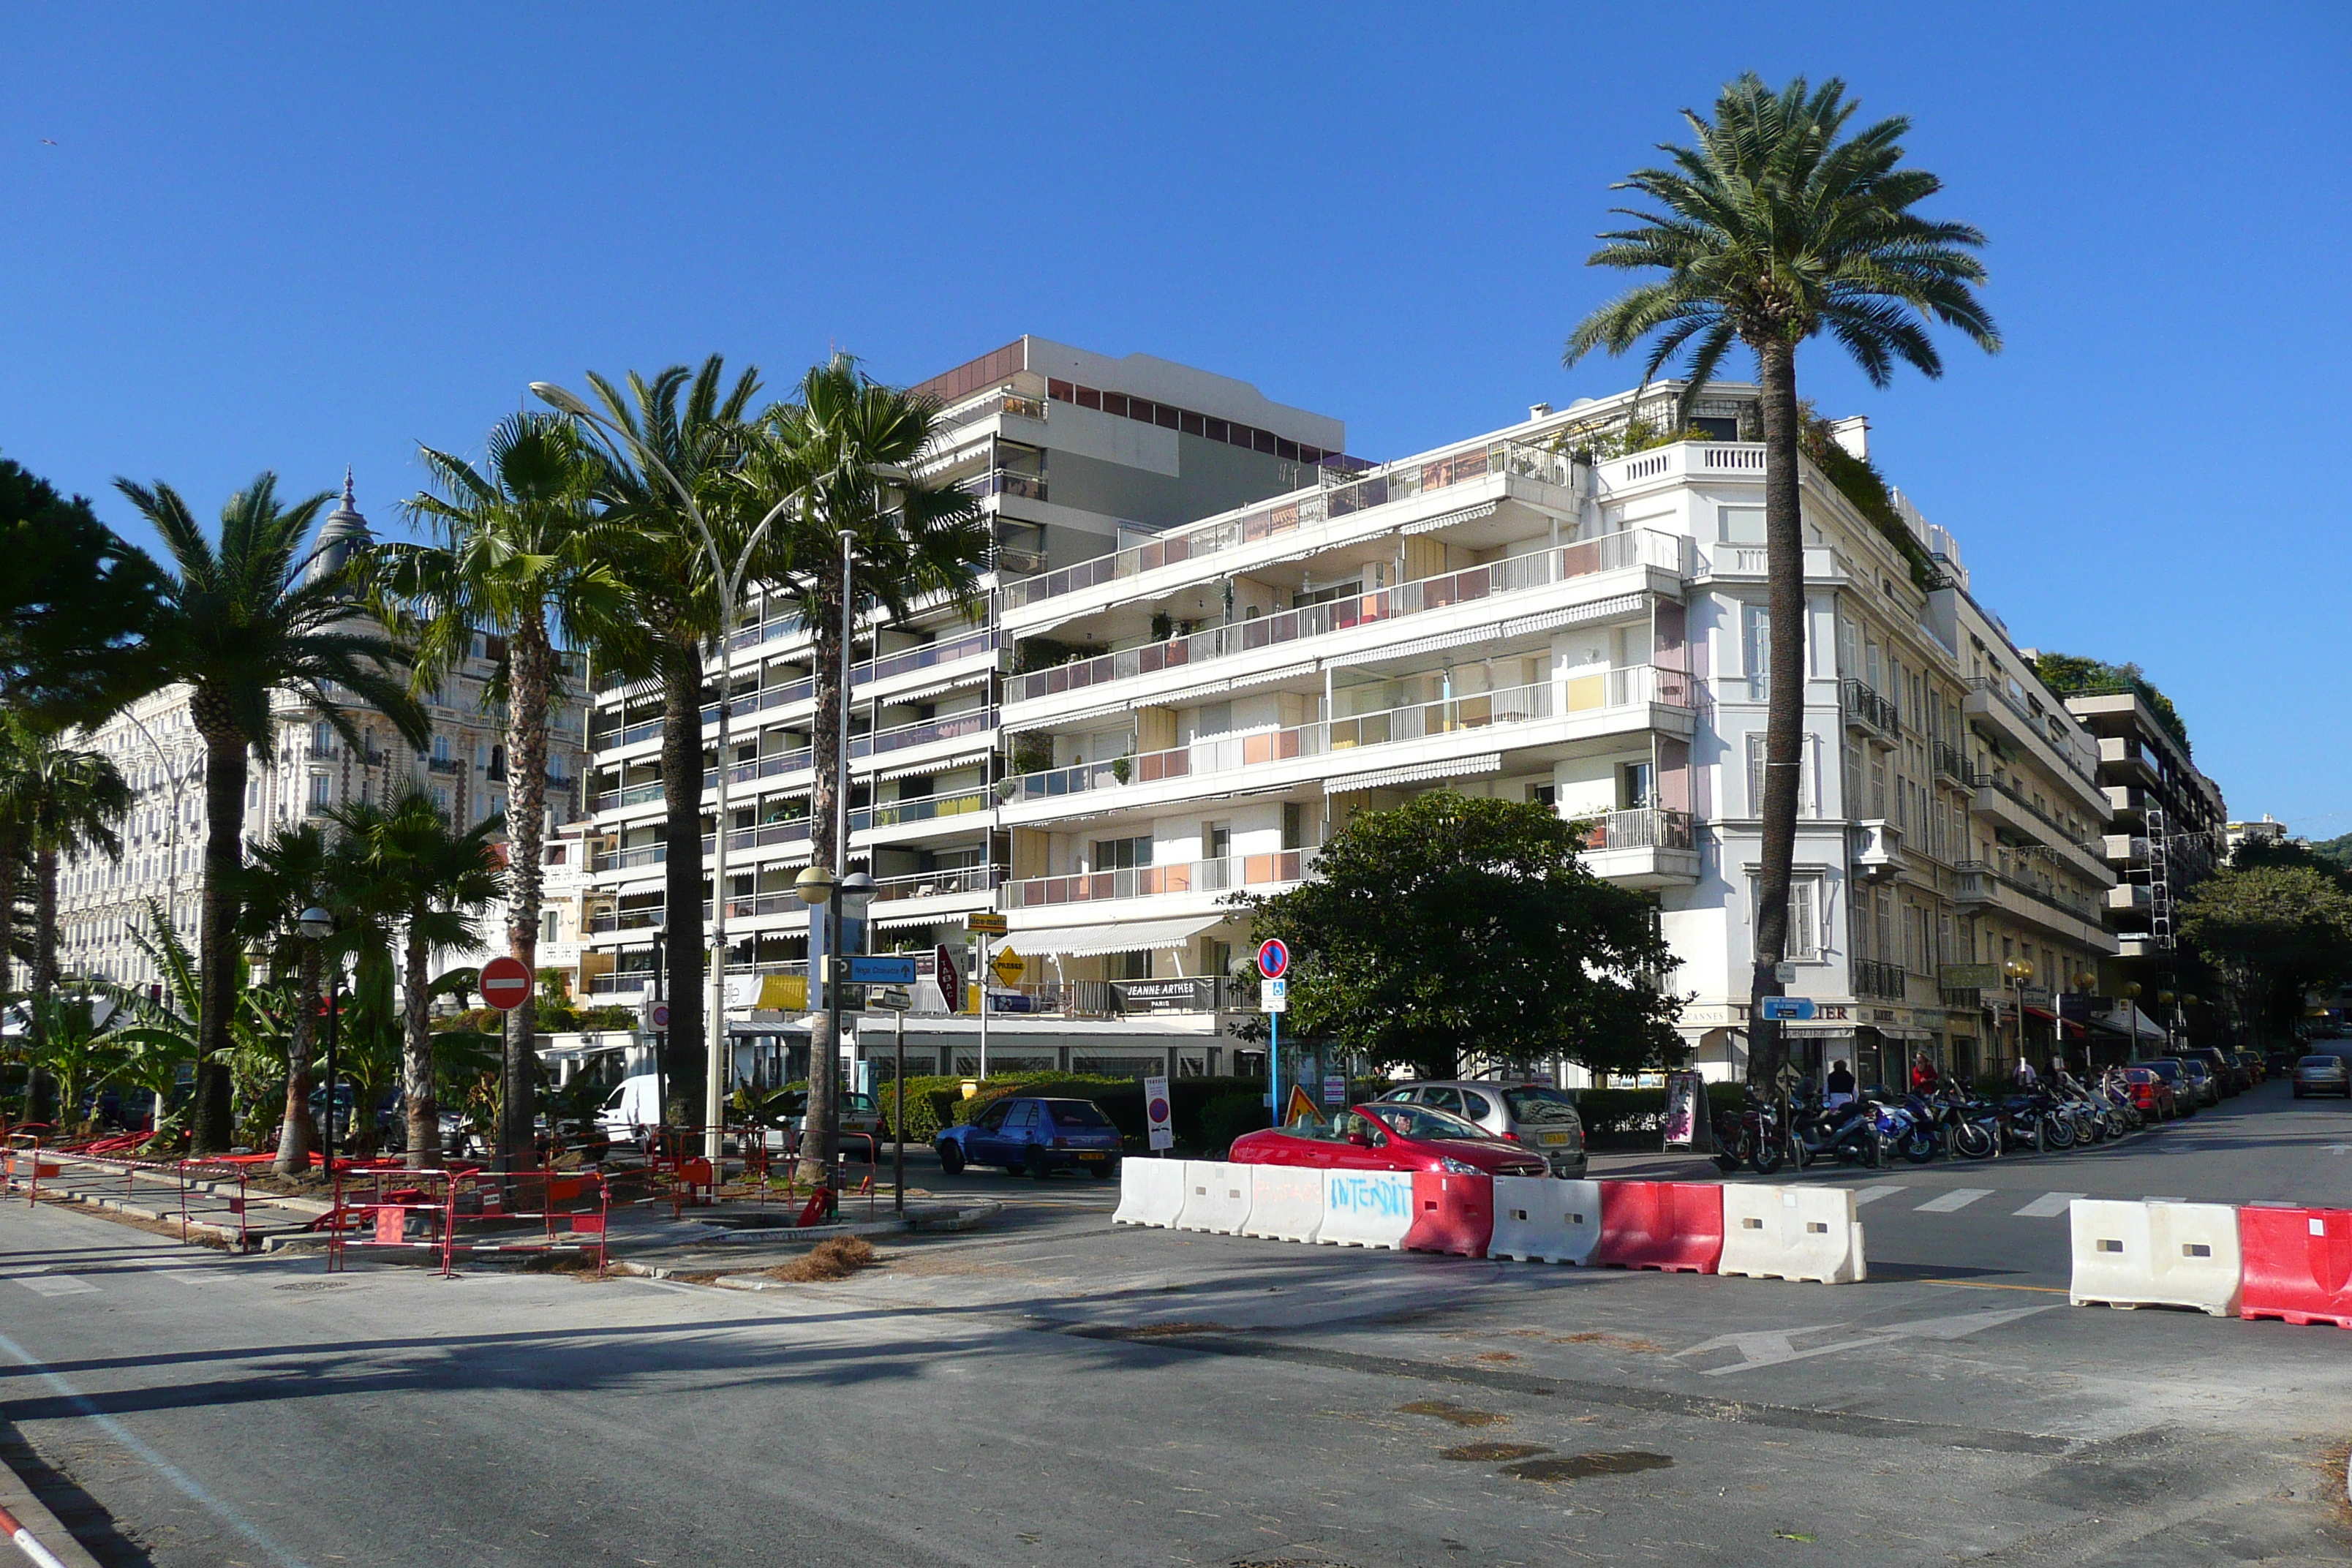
{"x":1122,"y":936}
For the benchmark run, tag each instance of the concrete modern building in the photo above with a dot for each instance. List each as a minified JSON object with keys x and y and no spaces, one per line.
{"x":1073,"y":456}
{"x":2165,"y":822}
{"x":308,"y":772}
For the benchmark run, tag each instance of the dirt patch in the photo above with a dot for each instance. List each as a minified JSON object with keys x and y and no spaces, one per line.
{"x":695,"y":1276}
{"x":1169,"y":1330}
{"x":1578,"y":1467}
{"x":1497,"y":1356}
{"x":2336,"y":1481}
{"x":579,"y":1265}
{"x":170,"y":1227}
{"x":1453,"y":1415}
{"x":1621,"y":1341}
{"x":1487,"y":1453}
{"x":829,"y":1260}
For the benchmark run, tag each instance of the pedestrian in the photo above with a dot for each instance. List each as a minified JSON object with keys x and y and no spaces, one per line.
{"x":2026,"y":1077}
{"x":1838,"y":1087}
{"x":1923,"y":1077}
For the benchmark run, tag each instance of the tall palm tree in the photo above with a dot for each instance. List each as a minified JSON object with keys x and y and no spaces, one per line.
{"x":524,"y":558}
{"x":405,"y":866}
{"x":291,"y":872}
{"x":239,"y":623}
{"x":1774,"y":231}
{"x":911,"y":542}
{"x":682,"y":430}
{"x":16,"y":739}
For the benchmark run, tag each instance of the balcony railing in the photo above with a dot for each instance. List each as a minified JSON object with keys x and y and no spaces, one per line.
{"x":2048,"y":726}
{"x":1953,"y":765}
{"x":1635,"y":547}
{"x":1866,"y":708}
{"x":1004,"y":482}
{"x":636,"y":854}
{"x":445,"y":764}
{"x":1980,"y":881}
{"x":634,"y":795}
{"x":1872,"y":978}
{"x":1223,"y":875}
{"x":1597,"y":693}
{"x":924,"y":808}
{"x":625,"y":920}
{"x":1643,"y":828}
{"x":1002,"y":403}
{"x":951,"y":883}
{"x":1396,"y":482}
{"x":885,"y":667}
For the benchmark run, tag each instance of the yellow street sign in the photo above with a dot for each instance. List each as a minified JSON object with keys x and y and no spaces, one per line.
{"x":1008,"y":966}
{"x":984,"y":923}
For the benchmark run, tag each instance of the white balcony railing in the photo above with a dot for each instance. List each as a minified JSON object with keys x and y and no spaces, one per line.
{"x":1633,"y":685}
{"x":1635,"y":547}
{"x":1224,"y":875}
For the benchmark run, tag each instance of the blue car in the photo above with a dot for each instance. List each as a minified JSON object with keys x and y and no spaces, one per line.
{"x":1038,"y":1136}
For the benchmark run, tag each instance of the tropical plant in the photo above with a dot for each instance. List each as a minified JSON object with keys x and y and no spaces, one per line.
{"x":525,"y":560}
{"x":159,"y":1032}
{"x":242,"y":624}
{"x":1773,"y":231}
{"x":70,"y":1055}
{"x":403,"y":866}
{"x":288,"y":876}
{"x":678,"y":437}
{"x":836,"y":459}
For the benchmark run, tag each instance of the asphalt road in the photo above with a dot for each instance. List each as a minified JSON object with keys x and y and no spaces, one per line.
{"x":1061,"y":1392}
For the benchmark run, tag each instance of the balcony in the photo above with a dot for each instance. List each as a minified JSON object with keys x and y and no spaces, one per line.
{"x":1876,"y":843}
{"x":2122,"y":760}
{"x":446,"y":765}
{"x":2046,"y":734}
{"x":1616,"y":552}
{"x":2041,"y":902}
{"x":988,"y":407}
{"x":1228,"y":874}
{"x":922,"y":809}
{"x":1004,"y":482}
{"x":1625,"y":690}
{"x":1294,"y":522}
{"x":625,"y":920}
{"x":2123,"y":849}
{"x":1868,"y":712}
{"x":621,"y":859}
{"x":2129,"y":898}
{"x":1954,"y":765}
{"x":1884,"y":980}
{"x":1647,"y":847}
{"x":955,"y":882}
{"x":634,"y":795}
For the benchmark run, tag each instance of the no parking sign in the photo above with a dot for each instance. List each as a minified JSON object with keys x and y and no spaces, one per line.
{"x":1159,"y":1112}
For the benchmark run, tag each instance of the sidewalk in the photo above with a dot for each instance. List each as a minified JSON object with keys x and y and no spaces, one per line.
{"x":32,"y":1513}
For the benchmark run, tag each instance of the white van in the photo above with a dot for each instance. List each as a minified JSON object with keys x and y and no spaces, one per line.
{"x":634,"y":1102}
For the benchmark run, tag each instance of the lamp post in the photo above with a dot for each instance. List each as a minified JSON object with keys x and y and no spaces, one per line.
{"x":2164,"y":999}
{"x":661,"y":1036}
{"x":317,"y":925}
{"x":730,"y":582}
{"x":2131,"y":990}
{"x":2019,"y":972}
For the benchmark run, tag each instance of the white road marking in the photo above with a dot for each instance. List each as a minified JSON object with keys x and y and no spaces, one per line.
{"x":1767,"y":1349}
{"x":54,"y":1284}
{"x":2048,"y":1205}
{"x":1958,"y":1198}
{"x":1871,"y":1195}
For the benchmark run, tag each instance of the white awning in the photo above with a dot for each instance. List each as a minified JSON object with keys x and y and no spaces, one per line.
{"x":1462,"y":767}
{"x":1116,"y":936}
{"x":2122,"y":1022}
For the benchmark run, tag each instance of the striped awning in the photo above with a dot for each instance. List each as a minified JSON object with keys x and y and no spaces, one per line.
{"x":1492,"y":762}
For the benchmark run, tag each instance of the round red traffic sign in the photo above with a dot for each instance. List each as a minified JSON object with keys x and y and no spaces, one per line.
{"x":505,"y":983}
{"x":1159,"y":1112}
{"x":1273,"y":958}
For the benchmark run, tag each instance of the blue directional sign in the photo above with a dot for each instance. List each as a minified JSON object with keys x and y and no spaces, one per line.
{"x":1788,"y":1009}
{"x":882,"y":969}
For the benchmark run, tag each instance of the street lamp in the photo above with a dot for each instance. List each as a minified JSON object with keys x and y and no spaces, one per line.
{"x":2019,"y":972}
{"x":317,"y":925}
{"x":729,"y":581}
{"x":2165,"y":1000}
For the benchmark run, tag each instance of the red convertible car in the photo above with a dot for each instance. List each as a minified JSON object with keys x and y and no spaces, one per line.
{"x":1385,"y":1136}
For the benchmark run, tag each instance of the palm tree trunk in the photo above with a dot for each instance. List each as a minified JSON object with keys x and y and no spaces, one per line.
{"x":682,"y":867}
{"x":45,"y":983}
{"x":527,"y":701}
{"x":820,"y":1129}
{"x":416,"y":1053}
{"x":8,"y":842}
{"x":1784,"y":715}
{"x":224,"y":779}
{"x":297,"y":1135}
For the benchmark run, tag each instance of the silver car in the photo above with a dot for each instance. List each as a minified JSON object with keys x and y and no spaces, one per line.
{"x":2322,"y":1075}
{"x":1535,"y":1114}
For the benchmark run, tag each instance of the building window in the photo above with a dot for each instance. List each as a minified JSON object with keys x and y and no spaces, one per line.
{"x":1756,"y":774}
{"x":1755,"y":645}
{"x":322,"y":790}
{"x":1121,"y":854}
{"x":440,"y":751}
{"x":1740,"y":524}
{"x":1544,"y":795}
{"x":441,"y":800}
{"x":1637,"y":786}
{"x":1806,"y":940}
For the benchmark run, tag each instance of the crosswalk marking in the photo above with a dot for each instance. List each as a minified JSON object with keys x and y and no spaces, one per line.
{"x":1958,"y":1198}
{"x":1871,"y":1195}
{"x":53,"y":1284}
{"x":2048,"y":1205}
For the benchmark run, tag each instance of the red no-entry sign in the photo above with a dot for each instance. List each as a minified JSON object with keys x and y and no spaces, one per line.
{"x":505,"y":983}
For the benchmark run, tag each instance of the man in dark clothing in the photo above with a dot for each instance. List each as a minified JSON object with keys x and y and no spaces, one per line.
{"x":1840,"y":1082}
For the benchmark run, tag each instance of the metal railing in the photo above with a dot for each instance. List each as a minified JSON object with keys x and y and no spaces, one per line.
{"x":2049,"y":726}
{"x":999,"y":403}
{"x":1629,"y":687}
{"x":1953,"y":764}
{"x":1633,"y":547}
{"x":923,"y":808}
{"x":1300,"y":511}
{"x":1980,"y":881}
{"x":1867,"y":706}
{"x":1004,"y":482}
{"x":1223,"y":875}
{"x":1641,"y":828}
{"x":1872,"y":978}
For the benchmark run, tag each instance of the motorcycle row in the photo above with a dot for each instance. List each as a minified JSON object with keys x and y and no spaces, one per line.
{"x":1877,"y":1126}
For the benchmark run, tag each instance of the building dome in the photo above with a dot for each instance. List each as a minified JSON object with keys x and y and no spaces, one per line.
{"x":344,"y":530}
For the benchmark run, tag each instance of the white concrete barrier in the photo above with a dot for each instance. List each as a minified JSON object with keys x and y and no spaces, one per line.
{"x":1366,"y":1208}
{"x":1150,"y":1191}
{"x":1541,"y":1220}
{"x":1791,"y":1233}
{"x":1216,"y":1197}
{"x":2156,"y":1254}
{"x":1286,"y":1203}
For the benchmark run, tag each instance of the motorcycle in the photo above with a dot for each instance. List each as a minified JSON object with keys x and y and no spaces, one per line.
{"x":1849,"y":1132}
{"x":1750,"y":1136}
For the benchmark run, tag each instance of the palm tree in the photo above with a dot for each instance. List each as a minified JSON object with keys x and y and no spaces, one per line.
{"x":523,"y":558}
{"x":239,"y":624}
{"x":682,"y":431}
{"x":824,"y":453}
{"x":1774,"y":231}
{"x":163,"y":1036}
{"x":403,"y":866}
{"x":290,"y":871}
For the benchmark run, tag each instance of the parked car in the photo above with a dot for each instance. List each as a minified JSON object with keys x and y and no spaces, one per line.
{"x":2226,"y":1082}
{"x":2186,"y":1098}
{"x":1386,"y":1135}
{"x":2256,"y":1071}
{"x":2198,"y":1074}
{"x":2322,"y":1075}
{"x":1036,"y":1136}
{"x":1535,"y":1114}
{"x":2151,"y":1093}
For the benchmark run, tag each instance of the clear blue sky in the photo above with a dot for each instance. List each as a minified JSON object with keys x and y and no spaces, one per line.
{"x":302,"y":236}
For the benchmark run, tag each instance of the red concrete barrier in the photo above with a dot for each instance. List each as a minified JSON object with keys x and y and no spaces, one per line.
{"x":2298,"y":1265}
{"x":1451,"y":1213}
{"x":1673,"y":1225}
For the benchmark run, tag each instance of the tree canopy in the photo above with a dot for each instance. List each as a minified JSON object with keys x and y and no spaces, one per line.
{"x":2069,"y":675}
{"x":1452,"y":926}
{"x":2281,"y":927}
{"x":73,"y":603}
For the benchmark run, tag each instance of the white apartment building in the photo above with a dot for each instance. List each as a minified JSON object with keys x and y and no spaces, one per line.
{"x":1073,"y":456}
{"x":310,"y":772}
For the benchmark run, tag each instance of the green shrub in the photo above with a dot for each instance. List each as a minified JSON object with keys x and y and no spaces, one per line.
{"x":1229,"y":1116}
{"x":1625,"y":1118}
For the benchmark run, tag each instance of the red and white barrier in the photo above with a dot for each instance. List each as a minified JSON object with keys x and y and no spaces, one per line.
{"x":1541,"y":1220}
{"x":1673,"y":1225}
{"x":1366,"y":1208}
{"x":2298,"y":1265}
{"x":1451,"y":1213}
{"x":25,"y":1542}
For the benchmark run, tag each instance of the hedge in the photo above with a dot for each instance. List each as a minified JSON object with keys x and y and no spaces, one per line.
{"x":1628,"y":1117}
{"x":1239,"y":1103}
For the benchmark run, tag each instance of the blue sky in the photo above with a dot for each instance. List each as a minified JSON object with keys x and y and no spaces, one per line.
{"x":299,"y":236}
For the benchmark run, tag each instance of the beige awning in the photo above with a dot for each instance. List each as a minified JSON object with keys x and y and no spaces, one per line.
{"x":1112,"y":936}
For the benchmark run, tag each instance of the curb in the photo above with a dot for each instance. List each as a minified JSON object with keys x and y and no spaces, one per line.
{"x":26,"y":1521}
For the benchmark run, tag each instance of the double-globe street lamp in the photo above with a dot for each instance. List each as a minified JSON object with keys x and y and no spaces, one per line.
{"x":729,"y":581}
